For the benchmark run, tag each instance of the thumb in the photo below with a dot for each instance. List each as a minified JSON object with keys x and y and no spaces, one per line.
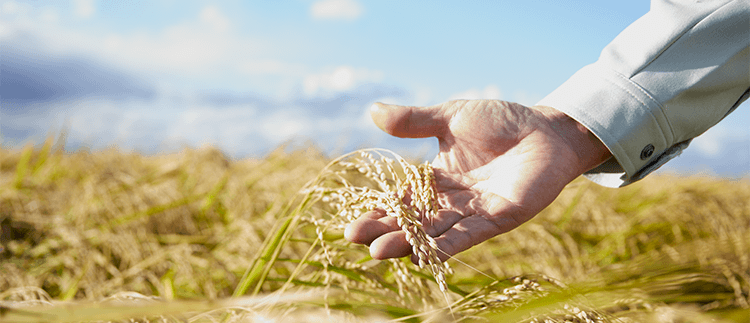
{"x":409,"y":122}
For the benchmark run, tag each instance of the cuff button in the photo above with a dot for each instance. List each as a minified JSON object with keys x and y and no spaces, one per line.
{"x":647,"y":151}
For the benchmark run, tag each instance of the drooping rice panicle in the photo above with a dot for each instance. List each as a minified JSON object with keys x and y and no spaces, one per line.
{"x":402,"y":190}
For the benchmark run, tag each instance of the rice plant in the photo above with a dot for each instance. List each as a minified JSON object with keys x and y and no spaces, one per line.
{"x":195,"y":236}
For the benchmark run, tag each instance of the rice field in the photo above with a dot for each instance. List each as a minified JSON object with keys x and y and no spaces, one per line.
{"x":195,"y":236}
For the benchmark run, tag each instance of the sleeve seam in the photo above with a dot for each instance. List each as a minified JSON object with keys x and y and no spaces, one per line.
{"x":654,"y":102}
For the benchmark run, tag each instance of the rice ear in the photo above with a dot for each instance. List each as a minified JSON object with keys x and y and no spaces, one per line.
{"x":391,"y":179}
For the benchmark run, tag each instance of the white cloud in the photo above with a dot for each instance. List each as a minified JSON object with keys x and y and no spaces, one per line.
{"x":214,"y":19}
{"x":713,"y":142}
{"x":83,"y":8}
{"x":10,"y":8}
{"x":336,"y":10}
{"x":205,"y":46}
{"x":490,"y":92}
{"x":183,"y":48}
{"x":709,"y":144}
{"x":12,"y":14}
{"x":268,"y":67}
{"x":284,"y":125}
{"x":49,"y":15}
{"x":340,"y":79}
{"x":166,"y":126}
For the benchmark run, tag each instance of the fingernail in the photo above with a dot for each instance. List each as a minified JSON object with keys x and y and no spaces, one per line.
{"x":348,"y":234}
{"x":379,"y":115}
{"x":377,"y":106}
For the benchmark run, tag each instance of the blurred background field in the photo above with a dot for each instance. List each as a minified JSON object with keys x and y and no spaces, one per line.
{"x":84,"y":229}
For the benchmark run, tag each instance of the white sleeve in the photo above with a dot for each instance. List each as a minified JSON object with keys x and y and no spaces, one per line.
{"x":666,"y":79}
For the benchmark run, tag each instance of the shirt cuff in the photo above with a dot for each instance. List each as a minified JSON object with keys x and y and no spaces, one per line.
{"x":625,"y":117}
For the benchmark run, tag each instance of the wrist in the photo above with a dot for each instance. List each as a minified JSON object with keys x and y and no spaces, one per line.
{"x":590,"y":150}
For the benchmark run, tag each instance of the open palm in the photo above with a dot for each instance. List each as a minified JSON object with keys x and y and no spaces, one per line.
{"x":500,"y":163}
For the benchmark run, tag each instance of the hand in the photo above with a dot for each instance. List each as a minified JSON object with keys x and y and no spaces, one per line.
{"x":500,"y":163}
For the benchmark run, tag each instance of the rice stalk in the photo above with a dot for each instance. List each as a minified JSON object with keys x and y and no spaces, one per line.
{"x":194,"y":226}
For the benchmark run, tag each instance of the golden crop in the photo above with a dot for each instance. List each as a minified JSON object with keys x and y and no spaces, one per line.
{"x":195,"y":236}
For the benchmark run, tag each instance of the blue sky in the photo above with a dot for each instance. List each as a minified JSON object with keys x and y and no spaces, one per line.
{"x":246,"y":76}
